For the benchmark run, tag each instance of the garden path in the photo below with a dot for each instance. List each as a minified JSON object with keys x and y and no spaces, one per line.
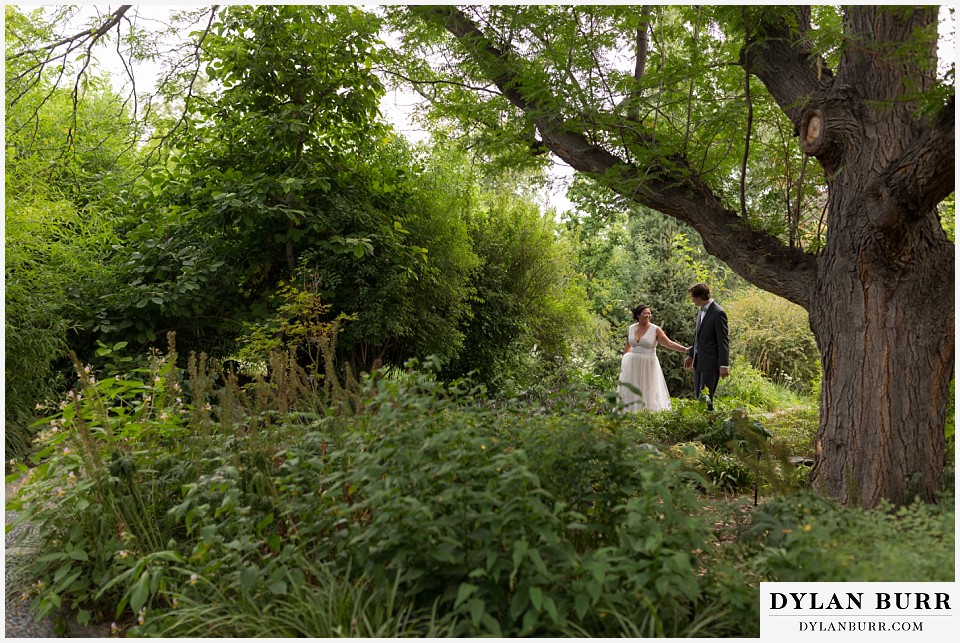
{"x":19,"y":621}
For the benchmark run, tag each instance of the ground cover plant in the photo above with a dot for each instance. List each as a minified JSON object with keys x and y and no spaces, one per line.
{"x":172,"y":501}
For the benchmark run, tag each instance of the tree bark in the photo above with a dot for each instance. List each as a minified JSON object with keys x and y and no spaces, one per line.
{"x":883,"y":313}
{"x":886,"y":341}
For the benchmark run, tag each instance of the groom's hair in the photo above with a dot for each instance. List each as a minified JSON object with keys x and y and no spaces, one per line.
{"x":700,"y":291}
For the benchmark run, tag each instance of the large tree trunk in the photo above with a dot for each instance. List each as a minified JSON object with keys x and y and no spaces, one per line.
{"x":883,"y":305}
{"x":886,"y":339}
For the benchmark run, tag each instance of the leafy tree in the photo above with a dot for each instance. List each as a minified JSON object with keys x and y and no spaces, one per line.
{"x":286,"y":172}
{"x":263,"y":170}
{"x":60,"y":204}
{"x":809,"y":148}
{"x":527,"y":304}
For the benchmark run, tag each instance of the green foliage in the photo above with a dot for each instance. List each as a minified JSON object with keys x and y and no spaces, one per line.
{"x":97,"y":494}
{"x":302,"y":323}
{"x":484,"y":523}
{"x":725,"y":471}
{"x":774,"y":336}
{"x":793,"y":430}
{"x":948,"y":216}
{"x":747,"y":387}
{"x":527,"y":305}
{"x":54,"y":267}
{"x":476,"y":523}
{"x":64,"y":169}
{"x":425,"y":509}
{"x":319,"y":603}
{"x":807,"y":538}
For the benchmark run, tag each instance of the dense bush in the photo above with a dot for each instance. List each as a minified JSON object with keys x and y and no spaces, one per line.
{"x":814,"y":539}
{"x":63,"y":172}
{"x":178,"y":503}
{"x":747,"y":387}
{"x":430,"y":493}
{"x":54,"y":266}
{"x":773,"y":335}
{"x":527,"y":305}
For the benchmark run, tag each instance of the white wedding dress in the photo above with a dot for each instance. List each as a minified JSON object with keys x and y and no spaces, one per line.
{"x":641,"y":368}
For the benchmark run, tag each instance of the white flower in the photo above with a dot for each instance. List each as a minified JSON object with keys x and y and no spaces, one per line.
{"x":193,"y":579}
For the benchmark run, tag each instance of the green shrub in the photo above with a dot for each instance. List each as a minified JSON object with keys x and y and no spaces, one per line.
{"x":120,"y":456}
{"x":747,"y":387}
{"x":773,"y":335}
{"x":303,"y":600}
{"x":98,"y":496}
{"x":808,"y":538}
{"x":683,"y":423}
{"x":481,"y":521}
{"x":793,"y":430}
{"x":51,"y":267}
{"x":466,"y":516}
{"x":727,"y":472}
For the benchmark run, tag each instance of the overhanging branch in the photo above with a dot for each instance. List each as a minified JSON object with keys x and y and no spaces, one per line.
{"x":671,"y":187}
{"x":778,"y":54}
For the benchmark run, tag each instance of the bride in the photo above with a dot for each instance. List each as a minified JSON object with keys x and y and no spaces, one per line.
{"x":640,"y":367}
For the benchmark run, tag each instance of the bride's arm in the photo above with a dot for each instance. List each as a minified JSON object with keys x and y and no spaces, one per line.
{"x":666,"y":342}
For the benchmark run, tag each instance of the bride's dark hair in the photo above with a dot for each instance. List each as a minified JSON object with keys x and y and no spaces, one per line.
{"x":638,"y":310}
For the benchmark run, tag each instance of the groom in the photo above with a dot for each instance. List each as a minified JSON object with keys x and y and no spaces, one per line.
{"x":709,"y":357}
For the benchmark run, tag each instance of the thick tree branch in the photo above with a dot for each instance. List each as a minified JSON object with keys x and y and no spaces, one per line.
{"x":778,"y":55}
{"x":642,"y":44}
{"x":921,"y":177}
{"x":671,"y":187}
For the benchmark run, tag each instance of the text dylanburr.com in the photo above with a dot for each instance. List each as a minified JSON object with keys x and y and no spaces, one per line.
{"x":858,"y":611}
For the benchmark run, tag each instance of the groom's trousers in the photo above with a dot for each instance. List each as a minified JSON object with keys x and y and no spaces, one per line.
{"x":706,"y":379}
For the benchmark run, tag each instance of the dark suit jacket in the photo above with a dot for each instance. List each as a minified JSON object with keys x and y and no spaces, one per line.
{"x":713,"y":345}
